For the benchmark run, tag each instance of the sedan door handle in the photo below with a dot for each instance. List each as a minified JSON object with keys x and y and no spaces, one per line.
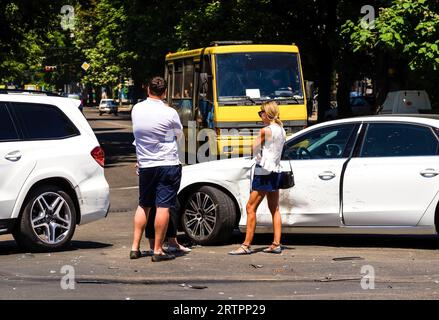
{"x":429,"y":173}
{"x":326,"y":175}
{"x":13,"y":156}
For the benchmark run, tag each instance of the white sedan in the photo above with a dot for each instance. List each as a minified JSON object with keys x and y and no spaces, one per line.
{"x":368,"y":175}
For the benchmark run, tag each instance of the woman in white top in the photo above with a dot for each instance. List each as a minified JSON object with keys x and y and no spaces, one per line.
{"x":268,"y":149}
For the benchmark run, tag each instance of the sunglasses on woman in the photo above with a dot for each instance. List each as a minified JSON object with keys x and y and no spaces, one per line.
{"x":260,"y":113}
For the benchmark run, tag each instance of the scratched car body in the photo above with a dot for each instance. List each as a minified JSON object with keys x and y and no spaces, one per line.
{"x":368,"y":175}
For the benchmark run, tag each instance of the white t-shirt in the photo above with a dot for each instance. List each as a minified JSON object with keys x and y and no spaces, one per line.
{"x":269,"y":158}
{"x":156,"y":127}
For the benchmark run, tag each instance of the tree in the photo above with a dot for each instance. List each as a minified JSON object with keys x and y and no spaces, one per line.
{"x":101,"y":36}
{"x":407,"y":32}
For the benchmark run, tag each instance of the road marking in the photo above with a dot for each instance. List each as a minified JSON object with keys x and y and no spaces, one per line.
{"x":125,"y":188}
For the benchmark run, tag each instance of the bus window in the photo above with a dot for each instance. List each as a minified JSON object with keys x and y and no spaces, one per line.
{"x":178,"y":78}
{"x":188,"y":77}
{"x":206,"y":93}
{"x":183,"y":90}
{"x":272,"y":75}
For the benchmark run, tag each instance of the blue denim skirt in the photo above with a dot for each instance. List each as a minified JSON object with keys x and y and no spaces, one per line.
{"x":266,"y":182}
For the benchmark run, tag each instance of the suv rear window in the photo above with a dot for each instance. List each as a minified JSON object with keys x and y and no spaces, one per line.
{"x":41,"y":121}
{"x":7,"y":128}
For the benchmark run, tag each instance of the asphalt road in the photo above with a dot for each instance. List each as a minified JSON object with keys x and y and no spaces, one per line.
{"x":310,"y":267}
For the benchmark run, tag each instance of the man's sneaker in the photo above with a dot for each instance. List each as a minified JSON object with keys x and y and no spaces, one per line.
{"x":162,"y":257}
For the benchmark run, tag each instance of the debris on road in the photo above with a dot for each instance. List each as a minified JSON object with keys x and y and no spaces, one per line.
{"x":257,"y":266}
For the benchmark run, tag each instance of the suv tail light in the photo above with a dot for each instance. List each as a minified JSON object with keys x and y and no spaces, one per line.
{"x":99,"y":155}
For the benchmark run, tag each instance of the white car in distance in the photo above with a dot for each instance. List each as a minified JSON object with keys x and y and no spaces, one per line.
{"x":368,"y":175}
{"x":51,"y":171}
{"x":108,"y":106}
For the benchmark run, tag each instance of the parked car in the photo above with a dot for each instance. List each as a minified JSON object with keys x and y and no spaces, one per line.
{"x":371,"y":175}
{"x":360,"y":106}
{"x":406,"y":101}
{"x":108,"y":106}
{"x":51,"y":171}
{"x":74,"y":101}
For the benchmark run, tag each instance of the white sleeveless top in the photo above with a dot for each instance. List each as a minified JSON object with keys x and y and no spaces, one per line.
{"x":272,"y":149}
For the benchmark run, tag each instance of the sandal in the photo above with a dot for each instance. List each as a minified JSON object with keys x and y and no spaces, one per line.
{"x":243,"y":249}
{"x":273,"y":248}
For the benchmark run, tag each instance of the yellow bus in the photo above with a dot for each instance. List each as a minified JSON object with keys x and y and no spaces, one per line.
{"x":221,"y":88}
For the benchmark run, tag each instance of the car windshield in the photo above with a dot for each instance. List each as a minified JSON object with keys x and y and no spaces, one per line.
{"x":258,"y":76}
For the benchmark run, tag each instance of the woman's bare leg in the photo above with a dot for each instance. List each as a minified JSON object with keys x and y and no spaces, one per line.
{"x":253,"y":203}
{"x":273,"y":205}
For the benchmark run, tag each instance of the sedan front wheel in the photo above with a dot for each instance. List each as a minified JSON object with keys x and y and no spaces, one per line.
{"x":209,"y":216}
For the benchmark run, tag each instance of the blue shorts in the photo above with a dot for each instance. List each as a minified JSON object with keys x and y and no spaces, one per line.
{"x":158,"y":186}
{"x":266,"y":182}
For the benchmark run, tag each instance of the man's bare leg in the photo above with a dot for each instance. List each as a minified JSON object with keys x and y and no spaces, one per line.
{"x":160,"y":225}
{"x":140,"y":219}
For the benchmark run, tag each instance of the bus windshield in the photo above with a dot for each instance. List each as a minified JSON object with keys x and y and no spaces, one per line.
{"x":258,"y":76}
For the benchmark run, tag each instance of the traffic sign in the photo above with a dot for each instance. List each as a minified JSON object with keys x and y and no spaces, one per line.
{"x":85,"y":66}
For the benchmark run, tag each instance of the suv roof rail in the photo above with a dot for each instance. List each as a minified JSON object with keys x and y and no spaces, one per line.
{"x":47,"y":93}
{"x":230,"y":42}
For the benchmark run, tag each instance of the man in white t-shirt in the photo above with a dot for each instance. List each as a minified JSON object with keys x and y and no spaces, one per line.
{"x":156,"y":128}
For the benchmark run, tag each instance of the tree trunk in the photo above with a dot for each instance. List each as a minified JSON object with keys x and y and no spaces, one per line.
{"x":345,"y":79}
{"x":324,"y":83}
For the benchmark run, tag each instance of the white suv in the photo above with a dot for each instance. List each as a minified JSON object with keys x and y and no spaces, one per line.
{"x":51,"y":171}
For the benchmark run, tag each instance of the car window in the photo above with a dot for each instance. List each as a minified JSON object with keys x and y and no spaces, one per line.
{"x":324,"y":143}
{"x":7,"y":128}
{"x":41,"y":121}
{"x":398,"y":140}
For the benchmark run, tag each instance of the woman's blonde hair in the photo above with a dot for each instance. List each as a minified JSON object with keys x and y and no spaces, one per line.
{"x":271,"y":108}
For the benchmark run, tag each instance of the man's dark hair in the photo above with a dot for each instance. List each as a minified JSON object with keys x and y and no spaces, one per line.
{"x":157,"y":86}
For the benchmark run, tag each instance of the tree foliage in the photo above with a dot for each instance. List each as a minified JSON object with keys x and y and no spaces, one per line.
{"x":406,"y":29}
{"x":101,"y":35}
{"x":130,"y":38}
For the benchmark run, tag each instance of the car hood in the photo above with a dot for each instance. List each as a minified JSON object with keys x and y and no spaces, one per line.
{"x":220,"y":165}
{"x":227,"y":171}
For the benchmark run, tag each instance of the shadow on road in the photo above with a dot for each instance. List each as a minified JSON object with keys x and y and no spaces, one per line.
{"x":87,"y":245}
{"x":118,"y":118}
{"x":97,"y":130}
{"x":11,"y":247}
{"x":346,"y":241}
